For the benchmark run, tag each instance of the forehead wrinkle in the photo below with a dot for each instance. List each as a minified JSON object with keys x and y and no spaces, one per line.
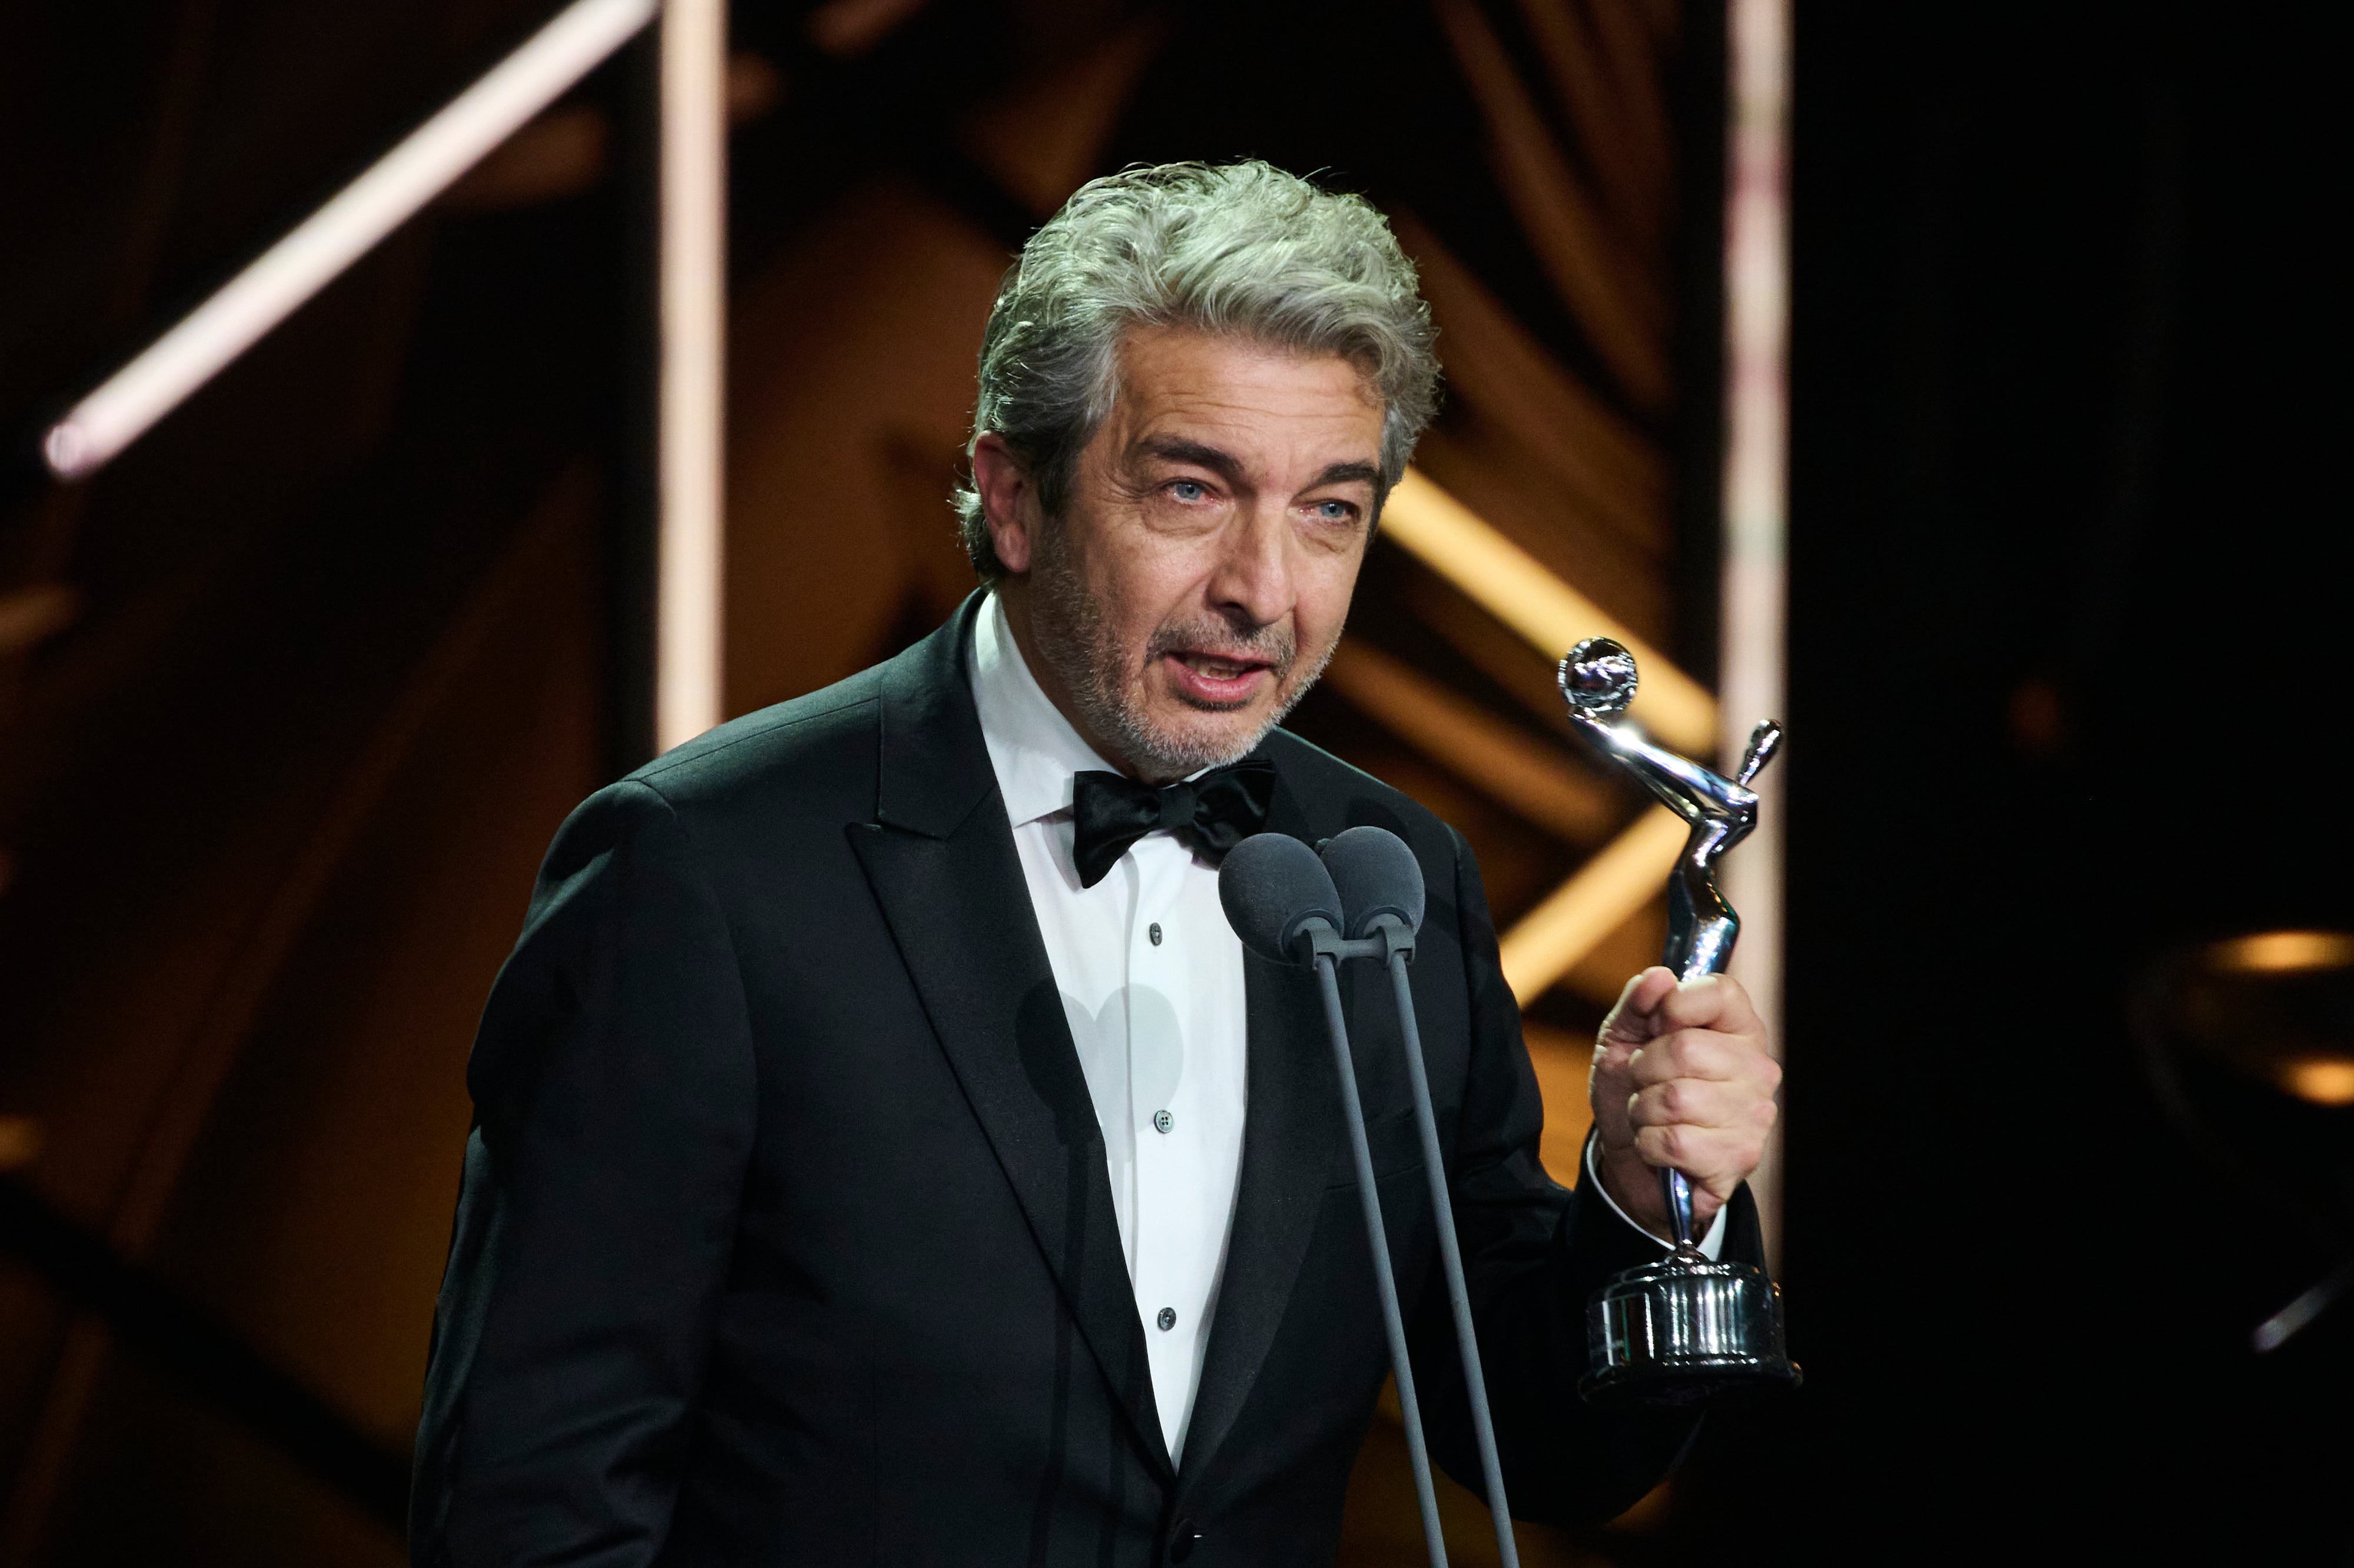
{"x":1165,"y":410}
{"x":1136,"y":371}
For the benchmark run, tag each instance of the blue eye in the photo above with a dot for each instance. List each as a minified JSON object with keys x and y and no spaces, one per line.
{"x":1188,"y":490}
{"x":1333,"y":510}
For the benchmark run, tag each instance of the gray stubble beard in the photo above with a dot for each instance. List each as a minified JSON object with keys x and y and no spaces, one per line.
{"x":1076,"y":639}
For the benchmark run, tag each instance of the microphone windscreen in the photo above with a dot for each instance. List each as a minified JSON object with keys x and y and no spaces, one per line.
{"x":1375,"y":874}
{"x":1274,"y":888}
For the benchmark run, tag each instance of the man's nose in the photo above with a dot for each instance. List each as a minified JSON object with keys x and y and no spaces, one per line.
{"x":1253,"y":582}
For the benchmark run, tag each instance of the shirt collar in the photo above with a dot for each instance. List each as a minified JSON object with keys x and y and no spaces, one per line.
{"x":1036,"y":752}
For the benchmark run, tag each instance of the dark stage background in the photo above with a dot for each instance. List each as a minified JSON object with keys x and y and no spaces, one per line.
{"x":2069,"y":640}
{"x":292,"y":695}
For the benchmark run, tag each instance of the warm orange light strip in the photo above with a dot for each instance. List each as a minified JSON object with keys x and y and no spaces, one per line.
{"x":2285,"y":952}
{"x":1607,"y":891}
{"x":2324,"y":1080}
{"x":1514,"y":587}
{"x":1511,"y":585}
{"x":1526,"y":774}
{"x":689,"y":626}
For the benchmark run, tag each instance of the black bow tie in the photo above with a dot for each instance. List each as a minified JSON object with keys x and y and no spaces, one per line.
{"x":1214,"y":812}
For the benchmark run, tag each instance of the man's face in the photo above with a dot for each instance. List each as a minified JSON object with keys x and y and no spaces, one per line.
{"x":1197,"y":578}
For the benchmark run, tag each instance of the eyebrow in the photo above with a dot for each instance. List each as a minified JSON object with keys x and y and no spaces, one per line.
{"x":1175,"y":449}
{"x":1358,"y":473}
{"x":1225,"y":464}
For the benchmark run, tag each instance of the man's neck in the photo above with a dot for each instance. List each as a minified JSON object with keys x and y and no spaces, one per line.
{"x":1014,"y":593}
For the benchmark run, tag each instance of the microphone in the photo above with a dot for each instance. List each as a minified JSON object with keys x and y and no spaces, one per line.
{"x":1381,"y":889}
{"x":1281,"y":902}
{"x":1377,"y":876}
{"x":1275,"y":891}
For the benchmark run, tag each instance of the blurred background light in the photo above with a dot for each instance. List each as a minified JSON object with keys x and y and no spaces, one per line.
{"x":1754,"y":594}
{"x":2285,"y":952}
{"x":689,"y":694}
{"x":318,"y":250}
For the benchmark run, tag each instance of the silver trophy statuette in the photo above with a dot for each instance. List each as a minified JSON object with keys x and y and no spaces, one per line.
{"x":1683,"y":1330}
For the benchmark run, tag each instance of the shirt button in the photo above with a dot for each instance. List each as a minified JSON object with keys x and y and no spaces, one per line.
{"x":1154,"y":932}
{"x":1168,"y":1318}
{"x":1163,"y":1121}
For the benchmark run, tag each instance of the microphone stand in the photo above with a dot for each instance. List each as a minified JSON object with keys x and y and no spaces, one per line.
{"x":1327,"y":949}
{"x":1399,"y":942}
{"x":1391,"y":942}
{"x":1284,"y":904}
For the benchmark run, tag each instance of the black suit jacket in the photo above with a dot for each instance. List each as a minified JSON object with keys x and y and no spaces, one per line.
{"x":786,"y":1237}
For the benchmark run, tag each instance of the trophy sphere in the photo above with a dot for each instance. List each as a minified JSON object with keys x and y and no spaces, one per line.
{"x":1598,"y":678}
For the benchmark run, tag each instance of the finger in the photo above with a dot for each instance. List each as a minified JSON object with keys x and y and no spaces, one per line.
{"x":1710,"y":1001}
{"x":1701,"y":1054}
{"x":1717,"y":1160}
{"x":1632,"y":1020}
{"x":1695,"y":1102}
{"x":1686,"y":1053}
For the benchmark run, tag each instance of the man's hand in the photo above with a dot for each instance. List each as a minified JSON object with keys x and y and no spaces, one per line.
{"x":1680,"y":1078}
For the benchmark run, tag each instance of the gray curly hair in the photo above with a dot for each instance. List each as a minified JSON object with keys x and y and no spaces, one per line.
{"x":1241,"y":249}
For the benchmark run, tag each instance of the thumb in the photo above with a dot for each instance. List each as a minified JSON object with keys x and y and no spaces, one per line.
{"x":1634,"y":1019}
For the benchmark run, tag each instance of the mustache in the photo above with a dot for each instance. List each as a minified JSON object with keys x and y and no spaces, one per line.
{"x":1274,"y":645}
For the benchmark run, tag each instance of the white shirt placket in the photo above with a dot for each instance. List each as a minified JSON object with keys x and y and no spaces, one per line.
{"x":1163,"y":1250}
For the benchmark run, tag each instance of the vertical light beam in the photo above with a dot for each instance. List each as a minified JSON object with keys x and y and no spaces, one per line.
{"x":1753,"y":682}
{"x":688,"y":624}
{"x":310,"y":257}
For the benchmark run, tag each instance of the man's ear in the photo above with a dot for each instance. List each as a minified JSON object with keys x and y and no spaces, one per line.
{"x":1008,"y":500}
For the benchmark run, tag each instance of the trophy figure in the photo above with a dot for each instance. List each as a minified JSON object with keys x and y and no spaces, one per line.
{"x":1683,"y":1330}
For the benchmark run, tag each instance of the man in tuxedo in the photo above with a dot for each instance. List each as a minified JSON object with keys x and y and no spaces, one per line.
{"x":885,"y":1153}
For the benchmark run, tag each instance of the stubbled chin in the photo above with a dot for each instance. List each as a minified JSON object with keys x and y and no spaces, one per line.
{"x":1181,"y":717}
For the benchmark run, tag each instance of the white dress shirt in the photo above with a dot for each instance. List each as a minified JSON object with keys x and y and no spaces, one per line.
{"x":1151,"y":980}
{"x":1152,"y":977}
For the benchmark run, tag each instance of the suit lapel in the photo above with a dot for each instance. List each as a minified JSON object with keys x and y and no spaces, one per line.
{"x":1290,"y":1129}
{"x":941,"y":861}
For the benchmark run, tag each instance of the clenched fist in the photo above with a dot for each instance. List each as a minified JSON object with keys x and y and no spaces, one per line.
{"x":1681,"y":1077}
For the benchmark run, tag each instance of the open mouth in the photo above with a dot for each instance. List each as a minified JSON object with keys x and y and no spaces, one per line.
{"x":1216,"y":680}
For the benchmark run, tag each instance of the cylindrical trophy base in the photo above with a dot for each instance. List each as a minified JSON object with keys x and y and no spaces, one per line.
{"x":1686,"y":1331}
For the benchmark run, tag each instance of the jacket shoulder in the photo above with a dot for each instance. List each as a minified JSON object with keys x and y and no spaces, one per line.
{"x":1335,"y":795}
{"x":812,"y":748}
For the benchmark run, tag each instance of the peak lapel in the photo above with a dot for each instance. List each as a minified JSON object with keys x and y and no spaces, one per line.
{"x":942,"y":865}
{"x":1288,"y":1133}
